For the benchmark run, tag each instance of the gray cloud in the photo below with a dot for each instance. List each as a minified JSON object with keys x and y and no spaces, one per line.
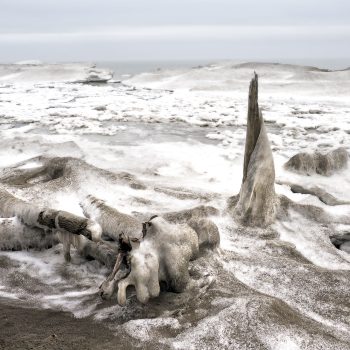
{"x":185,"y":33}
{"x":166,"y":29}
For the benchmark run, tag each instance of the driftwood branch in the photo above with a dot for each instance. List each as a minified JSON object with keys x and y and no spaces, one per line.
{"x":15,"y":235}
{"x":100,"y":251}
{"x":316,"y":191}
{"x":44,"y":218}
{"x":34,"y":228}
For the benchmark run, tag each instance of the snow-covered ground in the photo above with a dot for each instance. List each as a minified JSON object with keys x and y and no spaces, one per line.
{"x":284,"y":288}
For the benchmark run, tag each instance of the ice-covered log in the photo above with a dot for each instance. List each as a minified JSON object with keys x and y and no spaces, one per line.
{"x":318,"y":192}
{"x":45,"y":218}
{"x":25,"y":226}
{"x":112,"y":221}
{"x":162,"y":256}
{"x":14,"y":235}
{"x":196,"y":213}
{"x":311,"y":212}
{"x":318,"y":163}
{"x":257,"y":200}
{"x":157,"y":251}
{"x":100,"y":251}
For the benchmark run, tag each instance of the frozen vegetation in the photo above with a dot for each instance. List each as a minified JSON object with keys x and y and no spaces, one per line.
{"x":162,"y":143}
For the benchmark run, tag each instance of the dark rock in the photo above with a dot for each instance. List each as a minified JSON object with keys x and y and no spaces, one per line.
{"x":318,"y":163}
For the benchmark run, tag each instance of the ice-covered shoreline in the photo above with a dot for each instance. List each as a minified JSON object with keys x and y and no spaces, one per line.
{"x":182,"y":135}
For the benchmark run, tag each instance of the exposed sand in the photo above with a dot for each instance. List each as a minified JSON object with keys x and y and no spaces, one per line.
{"x":25,"y":328}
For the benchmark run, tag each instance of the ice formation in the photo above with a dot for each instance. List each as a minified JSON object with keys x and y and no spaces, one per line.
{"x":171,"y":143}
{"x":323,"y":164}
{"x":257,"y":200}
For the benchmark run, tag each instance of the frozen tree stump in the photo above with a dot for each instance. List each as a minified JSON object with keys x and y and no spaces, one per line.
{"x":257,"y":201}
{"x":36,"y":224}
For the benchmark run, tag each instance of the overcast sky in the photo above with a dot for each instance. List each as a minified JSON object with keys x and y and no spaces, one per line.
{"x":112,"y":30}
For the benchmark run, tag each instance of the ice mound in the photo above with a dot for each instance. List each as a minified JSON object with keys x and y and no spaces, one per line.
{"x":60,"y":72}
{"x":323,"y":164}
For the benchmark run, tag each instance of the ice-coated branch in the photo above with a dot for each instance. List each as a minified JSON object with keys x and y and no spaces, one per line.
{"x":28,"y":226}
{"x":15,"y":235}
{"x":45,"y":218}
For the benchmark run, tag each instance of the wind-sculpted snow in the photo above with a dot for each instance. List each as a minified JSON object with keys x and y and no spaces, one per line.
{"x":149,"y":152}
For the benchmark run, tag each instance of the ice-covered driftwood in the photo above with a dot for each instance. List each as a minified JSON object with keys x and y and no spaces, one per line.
{"x":256,"y":203}
{"x":156,"y":251}
{"x":316,"y":191}
{"x":69,"y":227}
{"x":45,"y":218}
{"x":14,"y":235}
{"x":112,"y":221}
{"x":162,"y":256}
{"x":25,"y":226}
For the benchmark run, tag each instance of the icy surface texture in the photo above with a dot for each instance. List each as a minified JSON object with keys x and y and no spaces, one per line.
{"x":257,"y":198}
{"x":284,"y":287}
